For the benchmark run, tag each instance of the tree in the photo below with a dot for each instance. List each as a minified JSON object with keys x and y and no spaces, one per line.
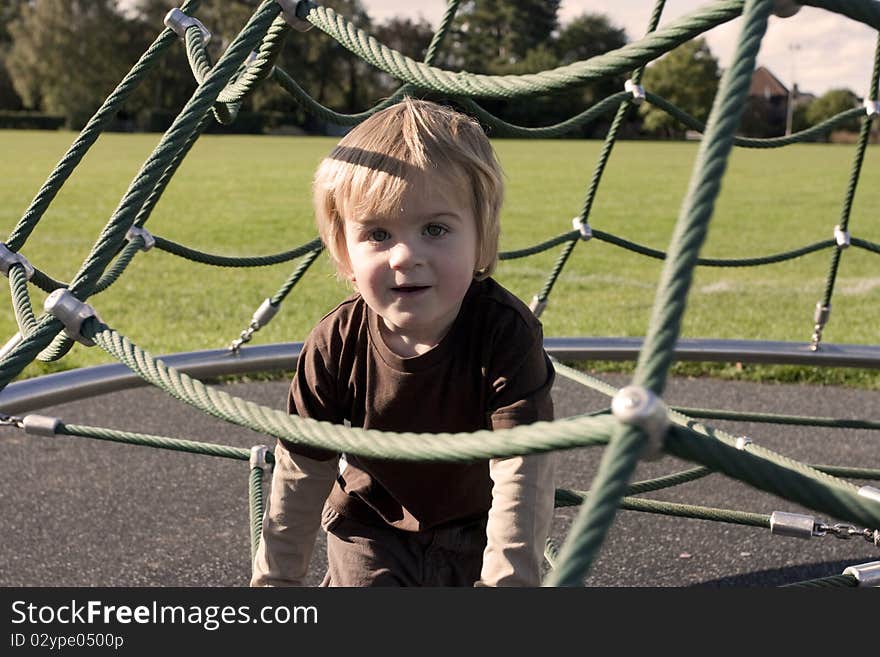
{"x":9,"y":11}
{"x":68,"y":55}
{"x":831,"y":104}
{"x":688,"y":78}
{"x":492,"y":34}
{"x":583,"y":38}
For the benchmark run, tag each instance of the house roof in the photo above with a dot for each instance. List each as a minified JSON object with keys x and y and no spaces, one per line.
{"x":765,"y":84}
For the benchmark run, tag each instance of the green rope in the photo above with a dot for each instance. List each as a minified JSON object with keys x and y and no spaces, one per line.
{"x":255,"y":488}
{"x":466,"y":84}
{"x":294,"y":278}
{"x":174,"y":139}
{"x":715,"y":262}
{"x":235,"y":261}
{"x":91,"y":132}
{"x":21,"y":300}
{"x":771,"y":418}
{"x":619,"y":459}
{"x":855,"y":174}
{"x":566,"y":497}
{"x":150,"y":440}
{"x":803,"y":136}
{"x":832,"y":582}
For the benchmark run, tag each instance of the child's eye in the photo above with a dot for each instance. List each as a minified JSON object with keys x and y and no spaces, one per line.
{"x":379,"y":235}
{"x":435,"y":230}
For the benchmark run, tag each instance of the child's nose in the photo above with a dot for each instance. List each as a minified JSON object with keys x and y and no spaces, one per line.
{"x":403,"y":255}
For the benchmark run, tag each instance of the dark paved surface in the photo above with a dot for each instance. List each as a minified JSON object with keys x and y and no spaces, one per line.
{"x":82,"y":512}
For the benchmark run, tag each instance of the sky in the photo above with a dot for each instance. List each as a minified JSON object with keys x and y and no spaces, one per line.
{"x":815,"y":48}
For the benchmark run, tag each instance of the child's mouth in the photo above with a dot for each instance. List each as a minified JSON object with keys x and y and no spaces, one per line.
{"x":410,"y":289}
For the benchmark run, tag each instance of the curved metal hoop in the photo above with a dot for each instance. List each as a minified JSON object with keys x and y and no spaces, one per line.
{"x":40,"y":392}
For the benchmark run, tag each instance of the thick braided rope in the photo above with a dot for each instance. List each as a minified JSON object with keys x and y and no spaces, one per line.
{"x":572,"y":432}
{"x":157,"y":191}
{"x":722,"y":440}
{"x":21,"y":300}
{"x":255,"y":508}
{"x":510,"y":86}
{"x":619,"y":459}
{"x":759,"y":467}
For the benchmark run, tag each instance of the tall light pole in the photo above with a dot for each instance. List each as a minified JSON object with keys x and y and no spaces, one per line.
{"x":792,"y":91}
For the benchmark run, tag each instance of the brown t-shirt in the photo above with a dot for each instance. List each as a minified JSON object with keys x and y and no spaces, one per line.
{"x":490,"y":371}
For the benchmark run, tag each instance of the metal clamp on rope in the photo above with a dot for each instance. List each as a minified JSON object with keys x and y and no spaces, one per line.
{"x":583,"y":228}
{"x":72,"y":312}
{"x":866,"y":574}
{"x":870,"y":492}
{"x":264,"y":314}
{"x":793,"y":524}
{"x":872,"y":107}
{"x":9,"y":258}
{"x":144,"y":234}
{"x":181,"y":22}
{"x":537,"y":306}
{"x":638,"y":406}
{"x":785,"y":8}
{"x":821,"y":315}
{"x":291,"y":11}
{"x":41,"y":425}
{"x":841,"y":237}
{"x":259,"y":454}
{"x":637,"y":91}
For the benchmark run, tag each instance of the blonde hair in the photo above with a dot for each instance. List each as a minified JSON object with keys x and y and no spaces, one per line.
{"x":368,"y":172}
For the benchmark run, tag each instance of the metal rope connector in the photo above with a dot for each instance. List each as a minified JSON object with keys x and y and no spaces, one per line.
{"x":9,"y":258}
{"x":537,"y":306}
{"x":820,"y":319}
{"x":259,"y":458}
{"x":181,"y":22}
{"x":866,"y":574}
{"x":640,"y":407}
{"x":583,"y":228}
{"x":11,"y":421}
{"x":793,"y":524}
{"x":41,"y":425}
{"x":637,"y":91}
{"x":841,"y":237}
{"x":144,"y":234}
{"x":262,"y":316}
{"x":785,"y":8}
{"x":290,"y":10}
{"x":872,"y":107}
{"x":72,"y":312}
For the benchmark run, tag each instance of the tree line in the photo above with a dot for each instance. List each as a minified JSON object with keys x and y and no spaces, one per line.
{"x":64,"y":57}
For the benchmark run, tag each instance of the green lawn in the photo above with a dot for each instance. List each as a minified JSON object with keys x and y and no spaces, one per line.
{"x":241,"y":195}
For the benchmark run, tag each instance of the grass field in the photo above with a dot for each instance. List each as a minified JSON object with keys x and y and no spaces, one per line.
{"x":238,"y":195}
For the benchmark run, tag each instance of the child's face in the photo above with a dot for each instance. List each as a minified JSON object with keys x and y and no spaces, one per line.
{"x":414,"y":267}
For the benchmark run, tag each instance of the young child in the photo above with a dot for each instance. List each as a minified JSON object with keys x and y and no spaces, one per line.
{"x":407,"y":205}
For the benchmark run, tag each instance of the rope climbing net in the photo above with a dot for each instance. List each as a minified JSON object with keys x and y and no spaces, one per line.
{"x":638,"y":425}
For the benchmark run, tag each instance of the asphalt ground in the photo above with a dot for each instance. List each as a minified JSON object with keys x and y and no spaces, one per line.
{"x":84,"y":512}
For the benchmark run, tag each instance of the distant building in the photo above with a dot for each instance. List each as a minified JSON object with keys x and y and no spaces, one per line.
{"x":767,"y":114}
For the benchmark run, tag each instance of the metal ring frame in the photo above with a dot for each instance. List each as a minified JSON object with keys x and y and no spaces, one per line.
{"x":51,"y":389}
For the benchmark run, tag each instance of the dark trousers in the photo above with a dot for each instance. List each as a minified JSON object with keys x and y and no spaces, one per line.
{"x":366,"y":555}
